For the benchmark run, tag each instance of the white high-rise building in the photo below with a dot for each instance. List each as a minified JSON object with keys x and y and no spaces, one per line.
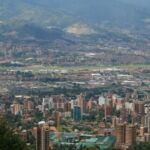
{"x":47,"y":103}
{"x":147,"y":122}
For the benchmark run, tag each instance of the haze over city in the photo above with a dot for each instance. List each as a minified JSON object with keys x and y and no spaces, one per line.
{"x":74,"y":74}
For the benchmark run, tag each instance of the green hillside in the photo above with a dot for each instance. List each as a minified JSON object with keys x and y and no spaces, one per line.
{"x":38,"y":19}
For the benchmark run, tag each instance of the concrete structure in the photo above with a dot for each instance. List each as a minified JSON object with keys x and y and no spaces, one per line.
{"x":120,"y":133}
{"x":58,"y":102}
{"x":77,"y":113}
{"x":28,"y":105}
{"x":42,"y":137}
{"x":126,"y":135}
{"x":130,"y":135}
{"x":147,"y":121}
{"x":16,"y":108}
{"x":80,"y":100}
{"x":139,"y":107}
{"x":101,"y":100}
{"x":47,"y":103}
{"x":67,"y":139}
{"x":67,"y":107}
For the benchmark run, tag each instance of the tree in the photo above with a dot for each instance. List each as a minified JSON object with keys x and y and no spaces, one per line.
{"x":142,"y":146}
{"x":9,"y":140}
{"x":95,"y":147}
{"x":112,"y":148}
{"x":101,"y":115}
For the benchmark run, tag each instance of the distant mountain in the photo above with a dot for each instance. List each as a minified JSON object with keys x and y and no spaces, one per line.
{"x":141,"y":3}
{"x":62,"y":14}
{"x":117,"y":31}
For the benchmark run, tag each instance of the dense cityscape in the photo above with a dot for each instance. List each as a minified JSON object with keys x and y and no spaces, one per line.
{"x":103,"y":107}
{"x":74,"y":75}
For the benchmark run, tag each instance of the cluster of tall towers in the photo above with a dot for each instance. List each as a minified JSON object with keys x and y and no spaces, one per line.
{"x":126,"y":135}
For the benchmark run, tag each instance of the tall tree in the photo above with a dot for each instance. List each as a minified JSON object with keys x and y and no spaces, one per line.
{"x":8,"y":139}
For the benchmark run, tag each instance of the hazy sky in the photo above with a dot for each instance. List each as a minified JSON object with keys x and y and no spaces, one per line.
{"x":145,"y":3}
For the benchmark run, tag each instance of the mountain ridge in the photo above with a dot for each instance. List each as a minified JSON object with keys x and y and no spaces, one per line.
{"x":61,"y":11}
{"x":63,"y":14}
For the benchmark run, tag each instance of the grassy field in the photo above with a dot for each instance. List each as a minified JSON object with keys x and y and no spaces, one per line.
{"x":37,"y":68}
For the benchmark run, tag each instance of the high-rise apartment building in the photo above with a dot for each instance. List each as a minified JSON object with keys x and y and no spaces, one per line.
{"x":130,"y":135}
{"x":139,"y":107}
{"x":16,"y":108}
{"x":120,"y":133}
{"x":147,"y":124}
{"x":77,"y":113}
{"x":80,"y":102}
{"x":42,"y":137}
{"x":126,"y":134}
